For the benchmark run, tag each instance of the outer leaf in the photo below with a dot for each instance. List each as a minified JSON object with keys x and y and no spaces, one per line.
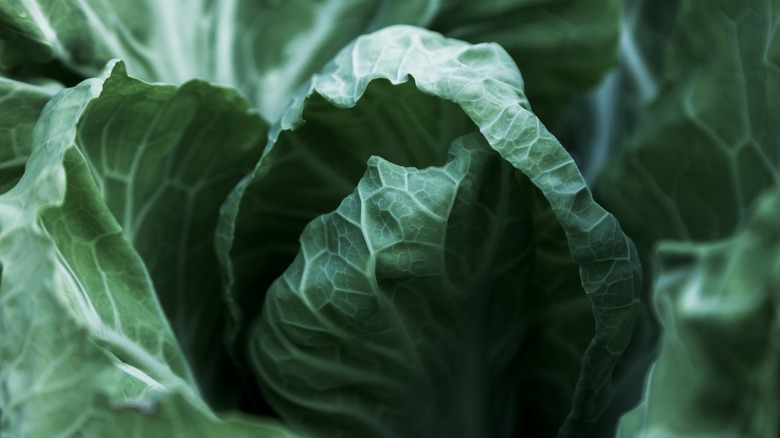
{"x":716,"y":117}
{"x":719,"y":305}
{"x":484,"y":83}
{"x":20,"y":105}
{"x":85,"y":348}
{"x":563,"y":48}
{"x":164,"y":159}
{"x":267,"y":49}
{"x":706,"y":147}
{"x":597,"y":128}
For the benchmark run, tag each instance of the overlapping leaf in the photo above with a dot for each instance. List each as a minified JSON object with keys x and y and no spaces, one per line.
{"x":462,"y":86}
{"x":266,"y":49}
{"x":20,"y":105}
{"x":716,"y":118}
{"x":86,"y":348}
{"x":563,"y":48}
{"x":164,"y":159}
{"x":405,"y":311}
{"x":719,"y":305}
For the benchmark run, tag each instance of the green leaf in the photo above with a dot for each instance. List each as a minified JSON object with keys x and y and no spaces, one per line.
{"x":266,"y":49}
{"x":20,"y":105}
{"x":705,"y":145}
{"x":436,"y":90}
{"x":420,"y":291}
{"x":595,"y":126}
{"x":413,"y":291}
{"x":716,"y":375}
{"x":716,"y":118}
{"x":86,"y":348}
{"x":164,"y":158}
{"x":563,"y":48}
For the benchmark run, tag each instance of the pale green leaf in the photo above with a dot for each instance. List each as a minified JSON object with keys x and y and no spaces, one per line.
{"x":164,"y":158}
{"x":266,"y":49}
{"x":20,"y":106}
{"x":86,"y":349}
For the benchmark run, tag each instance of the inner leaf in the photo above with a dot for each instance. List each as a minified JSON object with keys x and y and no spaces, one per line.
{"x":405,"y":309}
{"x":310,"y":170}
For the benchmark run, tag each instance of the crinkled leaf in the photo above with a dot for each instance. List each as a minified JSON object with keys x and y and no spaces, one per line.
{"x":267,"y":49}
{"x":707,"y":144}
{"x":563,"y":48}
{"x":405,"y":308}
{"x":388,"y":76}
{"x":86,"y":348}
{"x":719,"y":305}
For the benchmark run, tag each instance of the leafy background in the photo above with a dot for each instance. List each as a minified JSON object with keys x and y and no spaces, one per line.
{"x":154,"y":221}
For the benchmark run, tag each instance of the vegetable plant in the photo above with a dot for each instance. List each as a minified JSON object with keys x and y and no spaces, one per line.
{"x":357,"y":218}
